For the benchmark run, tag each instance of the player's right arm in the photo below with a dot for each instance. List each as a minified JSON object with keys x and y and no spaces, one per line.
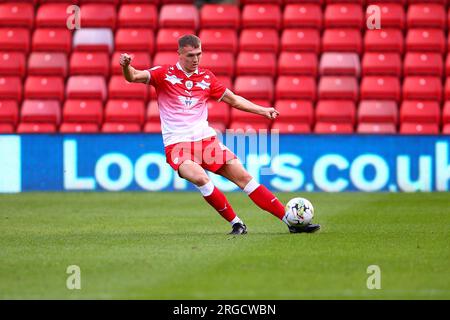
{"x":130,"y":73}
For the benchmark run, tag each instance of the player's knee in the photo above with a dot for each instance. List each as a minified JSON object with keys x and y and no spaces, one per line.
{"x":201,"y":180}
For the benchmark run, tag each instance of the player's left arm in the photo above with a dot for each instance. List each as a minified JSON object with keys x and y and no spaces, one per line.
{"x":243,"y":104}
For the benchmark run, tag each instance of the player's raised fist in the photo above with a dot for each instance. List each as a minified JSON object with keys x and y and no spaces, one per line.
{"x":125,"y":60}
{"x":271,"y":113}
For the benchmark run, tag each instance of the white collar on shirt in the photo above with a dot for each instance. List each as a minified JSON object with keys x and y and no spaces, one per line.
{"x":187,"y":74}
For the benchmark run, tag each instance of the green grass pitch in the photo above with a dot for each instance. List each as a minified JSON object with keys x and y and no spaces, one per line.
{"x":174,"y":246}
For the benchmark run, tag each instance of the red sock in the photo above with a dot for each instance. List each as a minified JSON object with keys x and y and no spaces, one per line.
{"x":219,"y":202}
{"x":266,"y":200}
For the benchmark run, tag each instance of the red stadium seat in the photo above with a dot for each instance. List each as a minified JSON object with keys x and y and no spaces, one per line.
{"x":119,"y":88}
{"x":218,"y":112}
{"x":338,"y":88}
{"x":37,"y":111}
{"x":301,"y":40}
{"x":261,"y":16}
{"x":419,"y":128}
{"x":261,"y":40}
{"x":125,"y":111}
{"x":98,"y":15}
{"x":220,"y":63}
{"x":226,"y":81}
{"x":382,"y":64}
{"x":10,"y":88}
{"x":446,"y":129}
{"x":373,"y":111}
{"x":342,"y":64}
{"x":113,"y":127}
{"x":141,"y":15}
{"x":426,"y":15}
{"x":152,"y":127}
{"x":380,"y":88}
{"x":6,"y":128}
{"x":152,"y":113}
{"x":179,"y":16}
{"x":162,"y":58}
{"x":376,"y":128}
{"x":102,"y":39}
{"x":446,"y":113}
{"x":14,"y":39}
{"x":420,"y":112}
{"x":252,"y":127}
{"x":134,"y":39}
{"x":52,"y":15}
{"x":9,"y":112}
{"x":220,"y":16}
{"x":214,"y":40}
{"x":16,"y":14}
{"x":254,"y":87}
{"x":429,"y":40}
{"x":44,"y":87}
{"x":291,"y":63}
{"x":83,"y":111}
{"x":392,"y":13}
{"x":242,"y":116}
{"x":36,"y":128}
{"x":384,"y":40}
{"x":302,"y":15}
{"x":422,"y":88}
{"x":291,"y":127}
{"x":295,"y":111}
{"x":424,"y":64}
{"x":90,"y":63}
{"x":295,"y":87}
{"x":52,"y":39}
{"x":249,"y":63}
{"x":342,"y":40}
{"x":12,"y":63}
{"x":336,"y":111}
{"x":47,"y":64}
{"x":343,"y":15}
{"x":86,"y":87}
{"x":167,"y":39}
{"x":78,"y":127}
{"x":140,"y":60}
{"x":333,"y":128}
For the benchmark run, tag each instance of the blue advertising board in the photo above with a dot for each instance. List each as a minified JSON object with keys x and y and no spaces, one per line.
{"x":136,"y":162}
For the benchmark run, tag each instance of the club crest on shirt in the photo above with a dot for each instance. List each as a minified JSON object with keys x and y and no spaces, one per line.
{"x":189,"y":84}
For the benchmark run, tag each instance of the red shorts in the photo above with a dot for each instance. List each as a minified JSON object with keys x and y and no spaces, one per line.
{"x":209,"y":153}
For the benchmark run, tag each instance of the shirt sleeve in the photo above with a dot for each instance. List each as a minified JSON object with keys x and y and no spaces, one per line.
{"x":154,"y":75}
{"x":217,"y":89}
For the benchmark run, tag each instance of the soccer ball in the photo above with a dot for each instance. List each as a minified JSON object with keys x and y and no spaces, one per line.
{"x":299,"y":211}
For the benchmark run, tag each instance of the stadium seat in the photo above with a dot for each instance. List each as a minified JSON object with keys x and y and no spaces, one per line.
{"x":342,"y":40}
{"x":333,"y":128}
{"x":47,"y":64}
{"x":98,"y":15}
{"x":220,"y":63}
{"x":426,"y":15}
{"x":393,"y":14}
{"x":179,"y":16}
{"x":292,"y":63}
{"x":380,"y":88}
{"x":295,"y":111}
{"x":10,"y":88}
{"x":120,"y":88}
{"x":254,"y":87}
{"x":335,"y":111}
{"x":113,"y":127}
{"x":446,"y":129}
{"x":215,"y":39}
{"x":279,"y":2}
{"x":291,"y":127}
{"x":218,"y":112}
{"x":16,"y":14}
{"x":376,"y":128}
{"x":97,"y":39}
{"x":9,"y":112}
{"x":381,"y":64}
{"x":301,"y":40}
{"x":14,"y":39}
{"x":140,"y":60}
{"x":295,"y":87}
{"x":446,"y":113}
{"x":243,"y":116}
{"x":37,"y":111}
{"x":167,"y":39}
{"x":90,"y":63}
{"x":52,"y":39}
{"x":83,"y":111}
{"x":340,"y":64}
{"x":36,"y":128}
{"x":384,"y":40}
{"x":424,"y":64}
{"x":302,"y":15}
{"x":420,"y":112}
{"x":426,"y":40}
{"x":422,"y":88}
{"x":338,"y":87}
{"x":44,"y":87}
{"x":374,"y":111}
{"x":261,"y":16}
{"x":6,"y":128}
{"x":260,"y":40}
{"x":12,"y":63}
{"x":252,"y":127}
{"x":249,"y":63}
{"x":153,"y":127}
{"x":226,"y":81}
{"x":125,"y":111}
{"x":162,"y":58}
{"x":419,"y":128}
{"x":152,"y":113}
{"x":132,"y":15}
{"x":220,"y":16}
{"x":69,"y":127}
{"x":343,"y":15}
{"x":135,"y":39}
{"x":86,"y":87}
{"x":52,"y":15}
